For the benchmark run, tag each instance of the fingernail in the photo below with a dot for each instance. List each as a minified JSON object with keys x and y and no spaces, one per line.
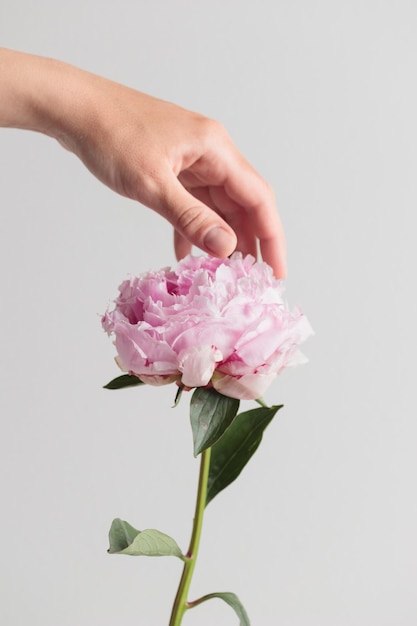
{"x":219,"y":242}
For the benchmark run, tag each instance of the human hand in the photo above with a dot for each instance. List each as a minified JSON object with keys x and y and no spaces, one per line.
{"x":178,"y":163}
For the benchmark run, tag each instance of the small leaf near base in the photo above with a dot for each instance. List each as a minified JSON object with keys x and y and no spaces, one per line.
{"x":124,"y":539}
{"x":232,"y":600}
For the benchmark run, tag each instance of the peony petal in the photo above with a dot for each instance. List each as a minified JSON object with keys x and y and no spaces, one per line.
{"x":197,"y":365}
{"x":157,"y":381}
{"x":141,"y":353}
{"x":246,"y":387}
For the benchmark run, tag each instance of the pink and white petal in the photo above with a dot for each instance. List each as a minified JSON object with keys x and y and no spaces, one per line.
{"x":207,"y":332}
{"x":135,"y":347}
{"x":197,"y":364}
{"x":246,"y":387}
{"x":157,"y":381}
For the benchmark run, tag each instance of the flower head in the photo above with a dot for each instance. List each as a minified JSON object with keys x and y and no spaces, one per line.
{"x":219,"y":322}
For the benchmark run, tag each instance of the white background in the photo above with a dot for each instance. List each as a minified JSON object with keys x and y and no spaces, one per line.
{"x":321,"y":527}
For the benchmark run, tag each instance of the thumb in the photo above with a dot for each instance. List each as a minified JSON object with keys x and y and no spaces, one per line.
{"x":195,"y":222}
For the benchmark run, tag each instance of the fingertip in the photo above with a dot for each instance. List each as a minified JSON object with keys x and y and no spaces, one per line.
{"x":274,"y":253}
{"x":220,"y":242}
{"x":282,"y":272}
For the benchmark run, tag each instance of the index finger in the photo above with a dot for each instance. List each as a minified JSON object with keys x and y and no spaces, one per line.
{"x":246,"y":187}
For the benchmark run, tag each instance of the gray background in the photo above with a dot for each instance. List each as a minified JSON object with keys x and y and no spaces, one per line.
{"x":321,"y":528}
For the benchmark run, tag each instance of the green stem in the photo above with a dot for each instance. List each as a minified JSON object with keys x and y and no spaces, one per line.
{"x":261,"y":402}
{"x":181,"y":604}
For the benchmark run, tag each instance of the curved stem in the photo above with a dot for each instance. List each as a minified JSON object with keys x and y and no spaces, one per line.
{"x":180,"y":603}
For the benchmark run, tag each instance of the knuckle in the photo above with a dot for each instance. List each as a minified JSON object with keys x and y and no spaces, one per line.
{"x":269,"y":191}
{"x":191,"y":219}
{"x":211,"y":128}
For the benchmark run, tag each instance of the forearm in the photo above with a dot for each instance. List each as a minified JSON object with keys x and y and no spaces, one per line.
{"x":38,"y":93}
{"x":76,"y":107}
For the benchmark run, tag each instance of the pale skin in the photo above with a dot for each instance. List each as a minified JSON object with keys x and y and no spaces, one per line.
{"x":181,"y":164}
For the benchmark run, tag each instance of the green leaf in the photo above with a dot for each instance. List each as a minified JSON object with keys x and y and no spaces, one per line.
{"x":232,"y":600}
{"x":231,"y":453}
{"x":210,"y":413}
{"x":126,"y":380}
{"x":178,"y":396}
{"x":124,"y":539}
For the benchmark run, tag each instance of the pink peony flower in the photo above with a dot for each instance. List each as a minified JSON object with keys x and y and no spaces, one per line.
{"x":219,"y":322}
